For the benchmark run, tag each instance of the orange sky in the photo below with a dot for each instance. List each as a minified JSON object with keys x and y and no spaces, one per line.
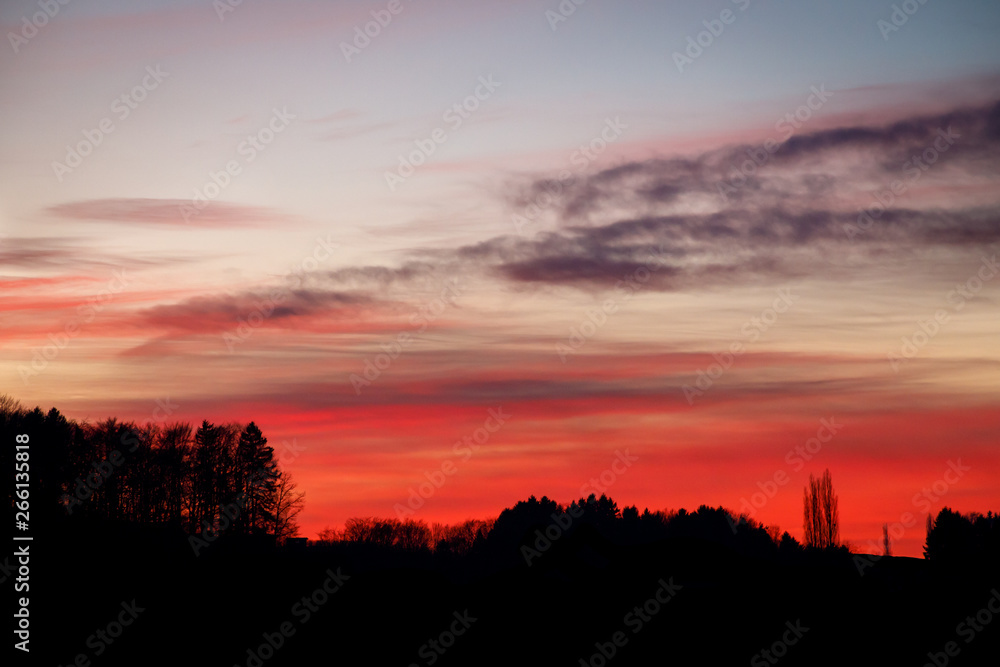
{"x":232,"y":217}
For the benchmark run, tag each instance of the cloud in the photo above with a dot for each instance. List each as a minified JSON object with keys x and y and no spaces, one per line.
{"x":794,"y":212}
{"x":644,"y":221}
{"x":835,"y":161}
{"x":166,"y":212}
{"x":796,"y":216}
{"x":383,"y":278}
{"x":30,"y":252}
{"x":768,"y":245}
{"x":70,"y":254}
{"x":208,"y":314}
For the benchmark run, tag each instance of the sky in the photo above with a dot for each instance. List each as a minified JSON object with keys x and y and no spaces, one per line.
{"x":451,"y":254}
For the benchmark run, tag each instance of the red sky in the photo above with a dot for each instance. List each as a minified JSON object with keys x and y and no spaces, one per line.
{"x":366,"y":253}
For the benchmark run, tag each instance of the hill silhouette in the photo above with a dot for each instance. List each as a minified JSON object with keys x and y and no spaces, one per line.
{"x":119,"y":579}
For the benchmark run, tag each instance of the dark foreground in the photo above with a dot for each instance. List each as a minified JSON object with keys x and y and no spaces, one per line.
{"x":114,"y":595}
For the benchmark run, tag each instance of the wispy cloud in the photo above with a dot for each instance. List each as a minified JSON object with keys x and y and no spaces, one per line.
{"x":73,"y":255}
{"x":166,"y":212}
{"x":210,"y":314}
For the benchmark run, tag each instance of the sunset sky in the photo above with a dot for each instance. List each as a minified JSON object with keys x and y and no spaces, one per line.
{"x":692,"y":236}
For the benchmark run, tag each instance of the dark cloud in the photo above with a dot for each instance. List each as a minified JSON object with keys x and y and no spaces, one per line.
{"x":804,"y":165}
{"x":787,"y":219}
{"x":680,"y":252}
{"x":978,"y":127}
{"x":208,"y":314}
{"x":730,"y":247}
{"x":380,"y":276}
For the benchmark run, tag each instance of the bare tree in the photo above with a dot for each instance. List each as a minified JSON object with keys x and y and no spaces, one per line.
{"x":886,"y":545}
{"x":821,"y":518}
{"x":175,"y":462}
{"x":10,"y":406}
{"x":287,"y":504}
{"x":461,"y":537}
{"x":412,"y":535}
{"x":328,"y":535}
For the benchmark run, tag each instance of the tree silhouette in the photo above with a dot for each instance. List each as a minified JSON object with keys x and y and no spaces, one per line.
{"x":821,"y":518}
{"x":220,"y":478}
{"x":788,"y":546}
{"x":207,"y":465}
{"x":256,"y":479}
{"x":174,"y":454}
{"x":288,"y":502}
{"x":412,"y":535}
{"x":405,"y":535}
{"x":460,"y":539}
{"x":328,"y":536}
{"x":962,"y":538}
{"x":886,"y":544}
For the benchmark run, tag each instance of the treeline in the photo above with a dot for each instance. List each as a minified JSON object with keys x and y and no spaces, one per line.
{"x":213,"y":479}
{"x":225,"y":479}
{"x":532,"y":527}
{"x":411,"y":535}
{"x":963,"y":538}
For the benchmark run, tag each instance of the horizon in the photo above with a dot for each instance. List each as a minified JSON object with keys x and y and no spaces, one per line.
{"x":703,"y":250}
